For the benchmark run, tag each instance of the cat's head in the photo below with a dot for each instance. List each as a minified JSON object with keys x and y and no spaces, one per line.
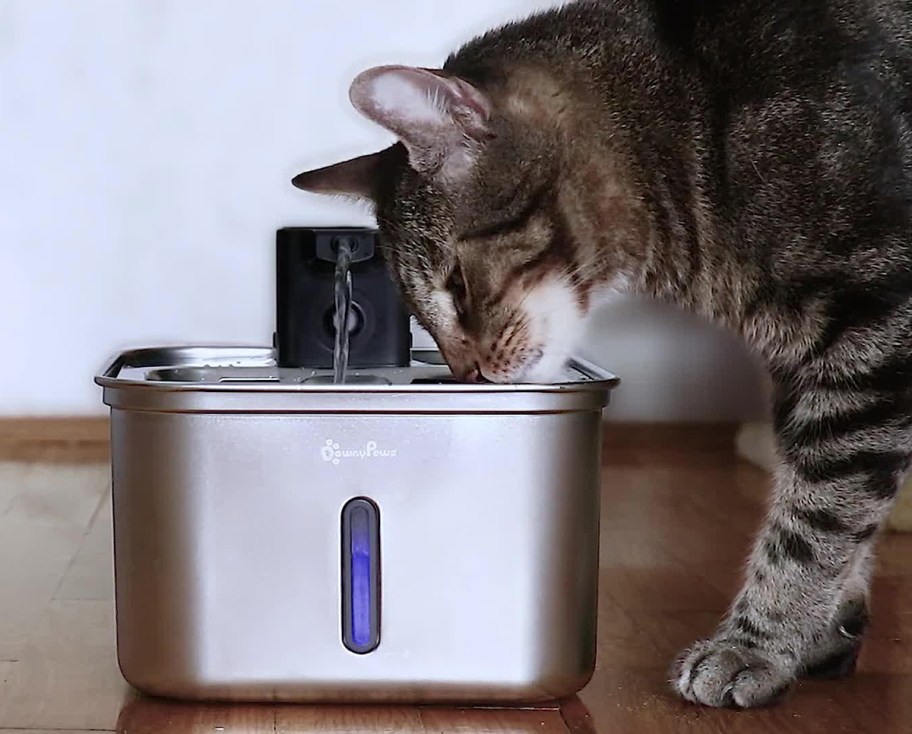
{"x":466,"y":206}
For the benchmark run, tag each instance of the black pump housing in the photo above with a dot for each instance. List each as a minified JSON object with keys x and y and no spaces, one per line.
{"x":379,"y":333}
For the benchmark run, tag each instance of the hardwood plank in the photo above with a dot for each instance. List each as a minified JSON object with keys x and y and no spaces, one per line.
{"x":656,"y":522}
{"x":41,"y":495}
{"x":90,"y":575}
{"x":576,"y":716}
{"x":44,"y":512}
{"x":349,"y":719}
{"x":893,"y":554}
{"x":881,"y":703}
{"x":642,"y":570}
{"x":65,"y":675}
{"x":634,"y":701}
{"x":493,"y":721}
{"x":824,"y":707}
{"x":155,"y":716}
{"x":639,"y":701}
{"x":672,"y":438}
{"x":55,"y":439}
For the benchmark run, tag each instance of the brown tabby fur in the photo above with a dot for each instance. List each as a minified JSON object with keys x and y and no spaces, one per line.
{"x":750,"y":160}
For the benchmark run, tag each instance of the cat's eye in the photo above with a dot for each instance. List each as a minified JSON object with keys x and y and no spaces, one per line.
{"x":455,"y":284}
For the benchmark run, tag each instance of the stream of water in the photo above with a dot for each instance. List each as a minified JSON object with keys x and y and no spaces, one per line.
{"x":343,"y":298}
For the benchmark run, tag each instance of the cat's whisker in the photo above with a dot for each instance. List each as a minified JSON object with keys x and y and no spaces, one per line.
{"x":586,"y":268}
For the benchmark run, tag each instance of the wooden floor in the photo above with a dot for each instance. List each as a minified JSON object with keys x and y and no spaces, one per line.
{"x":679,"y":511}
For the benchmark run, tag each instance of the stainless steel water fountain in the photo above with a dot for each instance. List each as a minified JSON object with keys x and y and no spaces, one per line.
{"x":397,"y":537}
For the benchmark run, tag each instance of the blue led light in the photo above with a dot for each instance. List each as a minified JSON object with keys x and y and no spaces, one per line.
{"x":361,"y":632}
{"x":360,"y":576}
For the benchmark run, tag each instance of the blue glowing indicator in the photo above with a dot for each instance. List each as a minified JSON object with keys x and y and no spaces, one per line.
{"x":361,"y":576}
{"x":361,"y":632}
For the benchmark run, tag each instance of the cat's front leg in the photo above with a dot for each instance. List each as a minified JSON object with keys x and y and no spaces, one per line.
{"x":836,"y":653}
{"x":803,"y":607}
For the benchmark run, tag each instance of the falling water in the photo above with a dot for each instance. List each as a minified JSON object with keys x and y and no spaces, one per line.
{"x":343,"y":292}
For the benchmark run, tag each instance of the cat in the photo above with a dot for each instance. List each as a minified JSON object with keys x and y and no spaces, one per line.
{"x":748,"y":160}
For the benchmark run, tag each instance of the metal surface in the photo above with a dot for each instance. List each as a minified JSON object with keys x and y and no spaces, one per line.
{"x":228,"y":541}
{"x":219,"y":365}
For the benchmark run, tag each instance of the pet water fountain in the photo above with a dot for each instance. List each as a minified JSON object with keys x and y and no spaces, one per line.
{"x":286,"y":529}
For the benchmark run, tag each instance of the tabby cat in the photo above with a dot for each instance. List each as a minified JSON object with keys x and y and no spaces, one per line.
{"x":750,"y":160}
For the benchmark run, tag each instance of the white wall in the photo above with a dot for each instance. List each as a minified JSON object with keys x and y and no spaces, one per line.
{"x":146,"y":148}
{"x":674,"y":367}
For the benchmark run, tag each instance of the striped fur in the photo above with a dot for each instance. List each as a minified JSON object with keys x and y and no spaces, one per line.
{"x":750,"y":160}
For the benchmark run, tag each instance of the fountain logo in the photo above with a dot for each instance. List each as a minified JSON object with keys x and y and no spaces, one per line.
{"x":333,"y":452}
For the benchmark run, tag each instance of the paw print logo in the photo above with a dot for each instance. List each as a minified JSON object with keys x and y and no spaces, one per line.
{"x":330,"y":452}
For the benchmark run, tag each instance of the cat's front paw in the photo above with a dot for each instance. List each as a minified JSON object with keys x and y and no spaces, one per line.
{"x":726,"y":674}
{"x":836,"y":653}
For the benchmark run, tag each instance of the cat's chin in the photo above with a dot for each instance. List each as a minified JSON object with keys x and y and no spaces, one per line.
{"x":542,"y":369}
{"x":545,"y":370}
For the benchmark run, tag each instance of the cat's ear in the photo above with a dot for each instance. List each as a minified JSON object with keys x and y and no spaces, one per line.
{"x":441,"y":119}
{"x":356,"y":178}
